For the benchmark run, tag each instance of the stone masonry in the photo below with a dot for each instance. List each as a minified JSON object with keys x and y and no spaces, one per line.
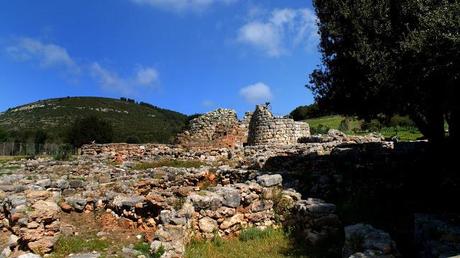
{"x":221,"y":128}
{"x":265,"y":129}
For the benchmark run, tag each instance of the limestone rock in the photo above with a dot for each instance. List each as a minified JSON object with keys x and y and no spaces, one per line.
{"x":270,"y":180}
{"x":207,"y":225}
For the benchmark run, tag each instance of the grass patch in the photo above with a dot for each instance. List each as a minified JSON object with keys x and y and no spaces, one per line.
{"x":6,"y":159}
{"x":254,"y":234}
{"x":169,"y":163}
{"x":77,"y":244}
{"x":332,"y":122}
{"x":252,"y":243}
{"x":322,"y":124}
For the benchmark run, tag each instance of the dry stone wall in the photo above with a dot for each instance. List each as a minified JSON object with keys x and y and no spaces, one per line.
{"x":265,"y":129}
{"x":219,"y":128}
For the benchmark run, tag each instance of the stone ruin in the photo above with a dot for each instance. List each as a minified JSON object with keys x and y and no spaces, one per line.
{"x":221,"y":128}
{"x":265,"y":129}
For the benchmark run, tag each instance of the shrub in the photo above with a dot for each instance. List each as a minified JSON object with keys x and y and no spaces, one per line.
{"x":372,"y":125}
{"x":345,"y":125}
{"x":143,"y":248}
{"x":133,"y":139}
{"x":87,"y":130}
{"x":64,"y":152}
{"x":161,"y":250}
{"x":320,"y":129}
{"x":401,"y":121}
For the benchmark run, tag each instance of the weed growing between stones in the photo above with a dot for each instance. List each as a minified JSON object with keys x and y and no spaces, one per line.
{"x":143,"y":248}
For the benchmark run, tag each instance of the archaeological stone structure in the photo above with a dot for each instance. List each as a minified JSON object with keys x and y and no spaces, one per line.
{"x":218,"y":128}
{"x":120,"y":188}
{"x":265,"y":129}
{"x":221,"y":128}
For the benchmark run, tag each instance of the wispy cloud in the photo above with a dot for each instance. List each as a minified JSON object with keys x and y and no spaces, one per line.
{"x":256,"y":93}
{"x":281,"y":30}
{"x":145,"y":77}
{"x":182,"y":5}
{"x":50,"y":55}
{"x":208,"y":103}
{"x":47,"y":55}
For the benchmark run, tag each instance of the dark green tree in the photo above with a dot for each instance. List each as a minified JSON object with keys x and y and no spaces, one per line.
{"x":305,"y":112}
{"x":390,"y":56}
{"x":40,"y":138}
{"x":88,"y":130}
{"x":3,"y":135}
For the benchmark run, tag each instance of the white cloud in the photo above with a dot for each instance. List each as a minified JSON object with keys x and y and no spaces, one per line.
{"x":49,"y":55}
{"x":146,"y":76}
{"x":256,"y":93}
{"x":46,"y":54}
{"x":182,"y":5}
{"x":281,"y":30}
{"x":109,"y":80}
{"x":208,"y":103}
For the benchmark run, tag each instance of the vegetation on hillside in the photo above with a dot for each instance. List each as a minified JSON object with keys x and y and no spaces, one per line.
{"x":398,"y":127}
{"x":140,"y":121}
{"x":305,"y":112}
{"x":88,"y":130}
{"x":391,"y":57}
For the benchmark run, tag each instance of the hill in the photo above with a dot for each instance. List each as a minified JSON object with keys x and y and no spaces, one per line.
{"x":147,"y":122}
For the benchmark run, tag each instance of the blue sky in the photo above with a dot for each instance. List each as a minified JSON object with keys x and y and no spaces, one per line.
{"x":191,"y":56}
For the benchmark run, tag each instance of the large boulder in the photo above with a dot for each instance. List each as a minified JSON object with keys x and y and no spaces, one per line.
{"x":363,"y":240}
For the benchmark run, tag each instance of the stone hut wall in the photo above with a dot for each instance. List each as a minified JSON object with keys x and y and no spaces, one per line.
{"x":219,"y":128}
{"x":265,"y":129}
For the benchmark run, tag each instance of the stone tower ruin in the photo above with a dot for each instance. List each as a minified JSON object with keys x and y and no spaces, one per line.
{"x":265,"y":129}
{"x":221,"y":128}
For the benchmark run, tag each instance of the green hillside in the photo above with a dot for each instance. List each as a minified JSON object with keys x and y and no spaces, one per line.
{"x":147,"y":122}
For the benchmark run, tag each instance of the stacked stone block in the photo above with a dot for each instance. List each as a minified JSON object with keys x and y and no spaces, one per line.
{"x":265,"y":129}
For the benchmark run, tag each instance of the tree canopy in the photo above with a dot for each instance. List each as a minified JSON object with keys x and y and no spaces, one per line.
{"x":88,"y":130}
{"x":305,"y":112}
{"x":390,"y":56}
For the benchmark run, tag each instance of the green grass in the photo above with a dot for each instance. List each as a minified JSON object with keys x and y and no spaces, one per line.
{"x":78,"y":244}
{"x":169,"y":163}
{"x":6,"y":159}
{"x":253,"y":243}
{"x":143,"y":248}
{"x":333,"y":122}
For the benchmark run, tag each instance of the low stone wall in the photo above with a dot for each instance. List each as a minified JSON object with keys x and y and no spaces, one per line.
{"x":139,"y":152}
{"x":172,"y":204}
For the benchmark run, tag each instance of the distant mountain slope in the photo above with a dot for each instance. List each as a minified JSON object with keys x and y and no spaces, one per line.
{"x":147,"y":122}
